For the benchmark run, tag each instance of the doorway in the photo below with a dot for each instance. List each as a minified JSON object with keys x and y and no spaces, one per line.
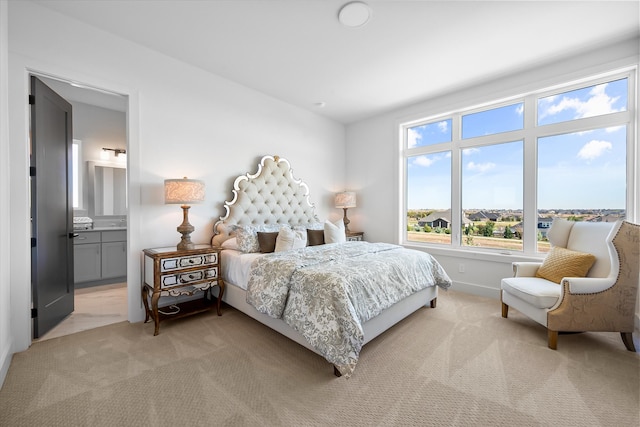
{"x":99,"y":122}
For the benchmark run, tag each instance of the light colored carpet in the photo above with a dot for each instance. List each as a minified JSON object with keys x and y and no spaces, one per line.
{"x":460,"y":364}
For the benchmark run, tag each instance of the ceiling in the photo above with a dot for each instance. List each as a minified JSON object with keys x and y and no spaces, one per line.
{"x":297,"y":50}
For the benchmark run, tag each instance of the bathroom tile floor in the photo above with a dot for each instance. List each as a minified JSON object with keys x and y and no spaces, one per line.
{"x":94,"y":307}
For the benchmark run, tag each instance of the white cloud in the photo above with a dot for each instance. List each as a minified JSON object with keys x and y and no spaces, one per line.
{"x":594,"y":149}
{"x":413,"y":137}
{"x":597,"y":104}
{"x":443,"y":126}
{"x":424,"y":161}
{"x":520,"y":109}
{"x":480,"y":167}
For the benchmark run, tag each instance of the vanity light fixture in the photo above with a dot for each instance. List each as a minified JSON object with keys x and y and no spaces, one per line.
{"x":184,"y":192}
{"x":345,"y":200}
{"x":116,"y":151}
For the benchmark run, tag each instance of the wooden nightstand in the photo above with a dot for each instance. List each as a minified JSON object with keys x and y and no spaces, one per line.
{"x":170,"y":272}
{"x":355,"y":236}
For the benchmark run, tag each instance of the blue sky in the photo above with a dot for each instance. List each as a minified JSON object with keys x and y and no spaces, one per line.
{"x":581,"y":170}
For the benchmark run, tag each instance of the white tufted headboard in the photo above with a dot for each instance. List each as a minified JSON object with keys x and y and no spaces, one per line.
{"x":270,"y":196}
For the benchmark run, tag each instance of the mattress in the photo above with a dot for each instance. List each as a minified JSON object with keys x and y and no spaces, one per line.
{"x":235,"y":266}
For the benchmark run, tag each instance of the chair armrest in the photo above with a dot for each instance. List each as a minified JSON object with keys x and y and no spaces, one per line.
{"x":525,"y":269}
{"x":588,"y":285}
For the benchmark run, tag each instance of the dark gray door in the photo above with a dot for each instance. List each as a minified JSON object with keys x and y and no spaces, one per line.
{"x":51,"y":208}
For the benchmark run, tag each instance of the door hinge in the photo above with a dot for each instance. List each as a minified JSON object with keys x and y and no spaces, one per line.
{"x":34,"y":313}
{"x":32,"y":171}
{"x":32,"y":99}
{"x":33,"y":242}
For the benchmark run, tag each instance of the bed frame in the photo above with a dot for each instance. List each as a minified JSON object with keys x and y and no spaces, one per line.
{"x":273,"y":196}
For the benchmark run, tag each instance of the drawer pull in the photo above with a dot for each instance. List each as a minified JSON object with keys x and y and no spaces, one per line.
{"x":189,"y":278}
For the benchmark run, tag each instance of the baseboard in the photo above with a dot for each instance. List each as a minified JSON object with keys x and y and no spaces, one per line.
{"x":475,"y":289}
{"x":5,"y":361}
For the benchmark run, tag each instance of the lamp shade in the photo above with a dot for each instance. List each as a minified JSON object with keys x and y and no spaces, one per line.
{"x":183,"y":191}
{"x":346,"y":199}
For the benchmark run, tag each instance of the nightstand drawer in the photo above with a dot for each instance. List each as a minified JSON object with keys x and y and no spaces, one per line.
{"x":355,"y":236}
{"x":182,"y":279}
{"x":178,"y":263}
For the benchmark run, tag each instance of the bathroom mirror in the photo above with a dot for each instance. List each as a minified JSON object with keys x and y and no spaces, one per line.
{"x":107,"y":189}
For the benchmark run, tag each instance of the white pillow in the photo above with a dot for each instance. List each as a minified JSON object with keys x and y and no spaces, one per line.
{"x":334,"y":232}
{"x":231,"y":243}
{"x":289,"y":239}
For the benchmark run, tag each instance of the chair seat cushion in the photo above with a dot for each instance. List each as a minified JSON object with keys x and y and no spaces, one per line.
{"x":540,"y":293}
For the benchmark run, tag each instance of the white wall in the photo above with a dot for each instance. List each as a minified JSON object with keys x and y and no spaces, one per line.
{"x":5,"y":286}
{"x":182,"y":121}
{"x":373,"y":150}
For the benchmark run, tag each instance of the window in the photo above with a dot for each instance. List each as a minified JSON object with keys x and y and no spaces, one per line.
{"x":429,"y":134}
{"x":429,"y":184}
{"x":493,"y":178}
{"x":591,"y":101}
{"x":76,"y":161}
{"x":488,"y":122}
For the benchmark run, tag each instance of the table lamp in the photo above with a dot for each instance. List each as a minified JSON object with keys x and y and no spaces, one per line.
{"x":345,"y":200}
{"x":184,"y":192}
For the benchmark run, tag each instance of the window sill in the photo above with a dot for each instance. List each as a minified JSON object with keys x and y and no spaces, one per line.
{"x":497,"y":256}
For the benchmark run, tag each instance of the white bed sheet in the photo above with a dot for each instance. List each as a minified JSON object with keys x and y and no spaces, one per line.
{"x":235,"y":266}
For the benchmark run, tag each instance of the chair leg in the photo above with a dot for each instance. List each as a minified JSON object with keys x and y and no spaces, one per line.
{"x":505,"y":310}
{"x":553,"y":339}
{"x":627,"y":339}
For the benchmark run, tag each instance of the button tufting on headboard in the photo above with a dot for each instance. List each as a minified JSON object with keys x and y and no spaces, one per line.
{"x":270,"y":196}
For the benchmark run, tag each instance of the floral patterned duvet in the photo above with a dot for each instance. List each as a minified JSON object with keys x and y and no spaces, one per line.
{"x":327,"y":292}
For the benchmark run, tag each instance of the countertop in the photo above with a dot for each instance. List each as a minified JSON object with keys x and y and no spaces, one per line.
{"x":100,"y":229}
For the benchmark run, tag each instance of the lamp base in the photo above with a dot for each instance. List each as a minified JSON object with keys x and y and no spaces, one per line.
{"x":185,"y":243}
{"x":346,"y":222}
{"x":185,"y":229}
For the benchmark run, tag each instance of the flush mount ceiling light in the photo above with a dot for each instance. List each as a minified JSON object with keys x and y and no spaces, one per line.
{"x":354,"y":14}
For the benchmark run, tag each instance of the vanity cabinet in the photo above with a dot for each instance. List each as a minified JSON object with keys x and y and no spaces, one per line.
{"x":99,"y":256}
{"x":87,"y":259}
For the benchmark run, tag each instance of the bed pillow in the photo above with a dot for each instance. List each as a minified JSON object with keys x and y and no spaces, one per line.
{"x":231,"y":243}
{"x":289,"y":239}
{"x":315,"y":225}
{"x":315,"y":237}
{"x":247,"y":236}
{"x":561,"y":262}
{"x":267,"y":241}
{"x":334,"y":232}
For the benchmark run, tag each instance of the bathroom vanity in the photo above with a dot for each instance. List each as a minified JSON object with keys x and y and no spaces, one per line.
{"x":100,"y":256}
{"x":100,"y":252}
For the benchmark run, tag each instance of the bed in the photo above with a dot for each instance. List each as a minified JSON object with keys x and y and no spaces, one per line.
{"x":329,"y":295}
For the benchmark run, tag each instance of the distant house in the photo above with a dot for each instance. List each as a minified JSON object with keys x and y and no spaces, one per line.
{"x":440,"y":219}
{"x":543,"y":227}
{"x":437,"y":219}
{"x":544,"y":223}
{"x":484,"y":216}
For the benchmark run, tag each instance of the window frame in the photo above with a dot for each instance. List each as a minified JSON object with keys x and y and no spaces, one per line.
{"x":78,"y":180}
{"x":529,"y":135}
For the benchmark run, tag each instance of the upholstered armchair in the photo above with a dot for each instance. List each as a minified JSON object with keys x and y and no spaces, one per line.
{"x":553,"y":293}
